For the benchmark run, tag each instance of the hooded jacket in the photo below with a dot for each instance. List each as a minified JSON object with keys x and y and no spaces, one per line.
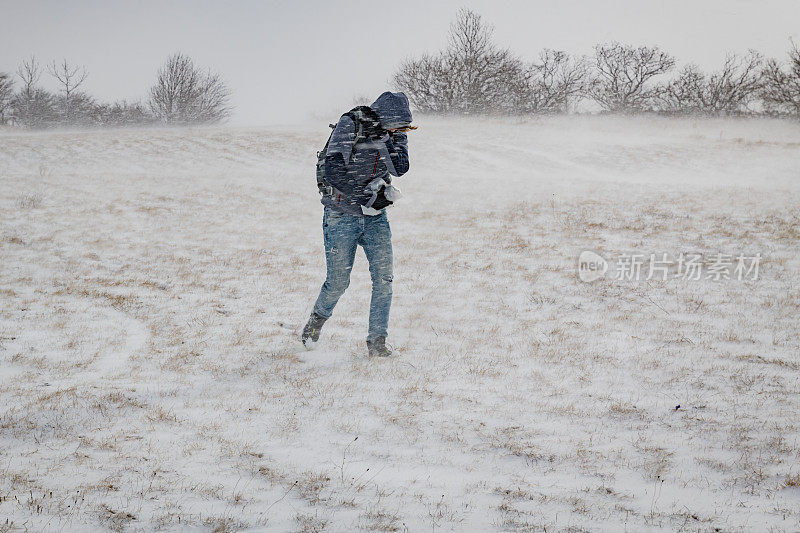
{"x":351,"y":165}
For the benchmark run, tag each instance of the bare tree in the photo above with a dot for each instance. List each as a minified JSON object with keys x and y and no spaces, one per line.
{"x":728,"y":91}
{"x":29,"y":72}
{"x":684,"y":94}
{"x":470,"y":76}
{"x":185,"y":95}
{"x":6,"y":95}
{"x":555,"y":82}
{"x":480,"y":72}
{"x":33,"y":106}
{"x":781,"y":88}
{"x":70,"y":103}
{"x":427,"y":83}
{"x":624,"y":74}
{"x":361,"y":99}
{"x":733,"y":88}
{"x":122,"y":114}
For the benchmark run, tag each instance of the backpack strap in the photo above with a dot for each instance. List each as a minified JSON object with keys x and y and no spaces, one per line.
{"x":322,"y":184}
{"x":367,"y":122}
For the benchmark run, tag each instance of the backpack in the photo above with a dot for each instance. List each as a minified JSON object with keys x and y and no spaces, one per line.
{"x":367,"y":126}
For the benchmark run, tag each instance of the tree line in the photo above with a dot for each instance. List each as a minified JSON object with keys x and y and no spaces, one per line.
{"x":182,"y":94}
{"x":472,"y":75}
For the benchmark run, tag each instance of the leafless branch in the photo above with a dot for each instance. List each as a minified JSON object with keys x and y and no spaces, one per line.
{"x":781,"y":84}
{"x":29,"y":72}
{"x":555,"y":81}
{"x":6,"y":96}
{"x":728,"y":91}
{"x":624,"y":74}
{"x":185,"y":95}
{"x":470,"y":76}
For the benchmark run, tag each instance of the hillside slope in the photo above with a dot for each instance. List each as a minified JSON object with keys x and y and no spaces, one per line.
{"x":152,"y":282}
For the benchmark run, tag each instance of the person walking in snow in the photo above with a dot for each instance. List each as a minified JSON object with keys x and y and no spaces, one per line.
{"x":364,"y":151}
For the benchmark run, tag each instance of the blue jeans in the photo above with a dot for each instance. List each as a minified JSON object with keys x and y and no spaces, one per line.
{"x":343,"y":233}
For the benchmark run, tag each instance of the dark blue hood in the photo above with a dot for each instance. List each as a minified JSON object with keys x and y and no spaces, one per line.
{"x":392,"y":109}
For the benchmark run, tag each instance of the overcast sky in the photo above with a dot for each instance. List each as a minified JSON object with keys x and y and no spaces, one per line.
{"x":296,"y":60}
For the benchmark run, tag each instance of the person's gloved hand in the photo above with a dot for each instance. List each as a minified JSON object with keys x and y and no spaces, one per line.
{"x":381,"y":201}
{"x":398,"y":137}
{"x":390,"y":145}
{"x":395,"y":138}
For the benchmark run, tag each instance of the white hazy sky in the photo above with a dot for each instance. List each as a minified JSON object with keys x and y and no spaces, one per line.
{"x":287,"y":61}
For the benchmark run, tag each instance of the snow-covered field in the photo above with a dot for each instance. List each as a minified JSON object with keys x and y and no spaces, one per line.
{"x":150,"y":378}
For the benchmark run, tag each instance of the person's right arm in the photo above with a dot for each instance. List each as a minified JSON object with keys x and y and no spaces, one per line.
{"x":397,"y":146}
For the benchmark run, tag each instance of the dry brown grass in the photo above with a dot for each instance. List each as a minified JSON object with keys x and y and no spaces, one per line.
{"x":150,"y":357}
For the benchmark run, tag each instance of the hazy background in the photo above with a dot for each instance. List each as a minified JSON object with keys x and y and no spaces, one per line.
{"x":287,"y":61}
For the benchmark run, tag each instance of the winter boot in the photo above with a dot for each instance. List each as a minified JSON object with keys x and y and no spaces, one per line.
{"x":312,"y":329}
{"x":377,"y":348}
